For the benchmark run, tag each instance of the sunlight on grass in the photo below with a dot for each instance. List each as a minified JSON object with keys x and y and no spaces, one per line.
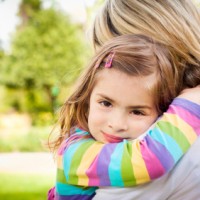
{"x":25,"y":186}
{"x":32,"y":141}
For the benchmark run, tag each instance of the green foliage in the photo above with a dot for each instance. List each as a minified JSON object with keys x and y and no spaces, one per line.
{"x":24,"y":186}
{"x":32,"y":101}
{"x":91,"y":11}
{"x":1,"y":54}
{"x":28,"y":8}
{"x":5,"y":105}
{"x":46,"y":53}
{"x":48,"y":50}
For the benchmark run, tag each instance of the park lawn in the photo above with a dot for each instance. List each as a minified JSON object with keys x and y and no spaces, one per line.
{"x":25,"y":186}
{"x":32,"y":141}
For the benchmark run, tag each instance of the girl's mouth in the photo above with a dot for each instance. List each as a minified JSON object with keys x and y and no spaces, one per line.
{"x":112,"y":139}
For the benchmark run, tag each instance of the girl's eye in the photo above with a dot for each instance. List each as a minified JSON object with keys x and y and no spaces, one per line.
{"x":105,"y":103}
{"x":138,"y":112}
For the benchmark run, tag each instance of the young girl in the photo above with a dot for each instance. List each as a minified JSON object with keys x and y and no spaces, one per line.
{"x":129,"y":83}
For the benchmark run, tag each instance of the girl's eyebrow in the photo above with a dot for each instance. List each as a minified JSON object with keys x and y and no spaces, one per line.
{"x":140,"y":107}
{"x":105,"y":97}
{"x":129,"y":107}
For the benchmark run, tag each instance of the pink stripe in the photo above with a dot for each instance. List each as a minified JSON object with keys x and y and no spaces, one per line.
{"x":67,"y":142}
{"x":62,"y":148}
{"x":189,"y":118}
{"x":92,"y":170}
{"x":153,"y":165}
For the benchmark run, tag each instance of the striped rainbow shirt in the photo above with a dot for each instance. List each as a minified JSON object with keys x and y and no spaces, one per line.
{"x":85,"y":164}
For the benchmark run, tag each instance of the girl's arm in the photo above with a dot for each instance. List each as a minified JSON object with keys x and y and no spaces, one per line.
{"x":89,"y":163}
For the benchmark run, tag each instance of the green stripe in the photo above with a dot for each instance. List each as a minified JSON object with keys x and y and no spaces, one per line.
{"x":76,"y":160}
{"x":175,"y":133}
{"x":61,"y":176}
{"x":127,"y":169}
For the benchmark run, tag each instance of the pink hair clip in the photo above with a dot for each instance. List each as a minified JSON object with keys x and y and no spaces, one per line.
{"x":96,"y":65}
{"x":109,"y":60}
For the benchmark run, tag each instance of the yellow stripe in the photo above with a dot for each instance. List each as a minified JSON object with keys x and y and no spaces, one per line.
{"x":88,"y":158}
{"x":185,"y":128}
{"x":60,"y":162}
{"x":139,"y":168}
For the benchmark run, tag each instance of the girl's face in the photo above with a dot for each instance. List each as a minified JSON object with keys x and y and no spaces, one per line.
{"x":120,"y":106}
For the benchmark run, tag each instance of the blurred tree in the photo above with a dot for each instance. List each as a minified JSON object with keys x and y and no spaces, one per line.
{"x":27,"y":9}
{"x":197,"y":2}
{"x":47,"y":52}
{"x":2,"y":54}
{"x":91,"y":10}
{"x":98,"y":3}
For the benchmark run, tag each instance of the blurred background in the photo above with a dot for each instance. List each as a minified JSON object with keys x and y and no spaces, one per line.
{"x":43,"y":48}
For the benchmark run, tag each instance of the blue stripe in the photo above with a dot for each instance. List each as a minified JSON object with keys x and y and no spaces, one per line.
{"x":79,"y":131}
{"x":65,"y":189}
{"x":114,"y":168}
{"x":168,"y":142}
{"x":68,"y":155}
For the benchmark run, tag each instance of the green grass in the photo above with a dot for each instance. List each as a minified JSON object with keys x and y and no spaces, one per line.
{"x":25,"y":186}
{"x":32,"y":141}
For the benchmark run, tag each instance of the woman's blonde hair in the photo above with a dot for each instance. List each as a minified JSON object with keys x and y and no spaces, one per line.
{"x":174,"y":23}
{"x":135,"y":55}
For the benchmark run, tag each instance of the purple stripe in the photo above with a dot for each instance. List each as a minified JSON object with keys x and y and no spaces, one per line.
{"x":74,"y":197}
{"x":187,"y":116}
{"x":153,"y":165}
{"x":160,"y":152}
{"x":103,"y":163}
{"x":188,"y":105}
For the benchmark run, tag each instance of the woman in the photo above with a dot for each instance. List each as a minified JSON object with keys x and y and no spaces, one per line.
{"x":176,"y":24}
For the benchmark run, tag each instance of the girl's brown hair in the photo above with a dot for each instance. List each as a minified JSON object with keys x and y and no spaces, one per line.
{"x":135,"y":55}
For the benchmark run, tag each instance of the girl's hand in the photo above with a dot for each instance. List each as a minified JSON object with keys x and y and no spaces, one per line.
{"x":191,"y":94}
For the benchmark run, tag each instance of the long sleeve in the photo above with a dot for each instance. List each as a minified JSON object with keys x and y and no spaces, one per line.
{"x":86,"y":162}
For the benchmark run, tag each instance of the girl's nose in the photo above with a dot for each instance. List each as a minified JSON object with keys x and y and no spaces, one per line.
{"x":118,"y":122}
